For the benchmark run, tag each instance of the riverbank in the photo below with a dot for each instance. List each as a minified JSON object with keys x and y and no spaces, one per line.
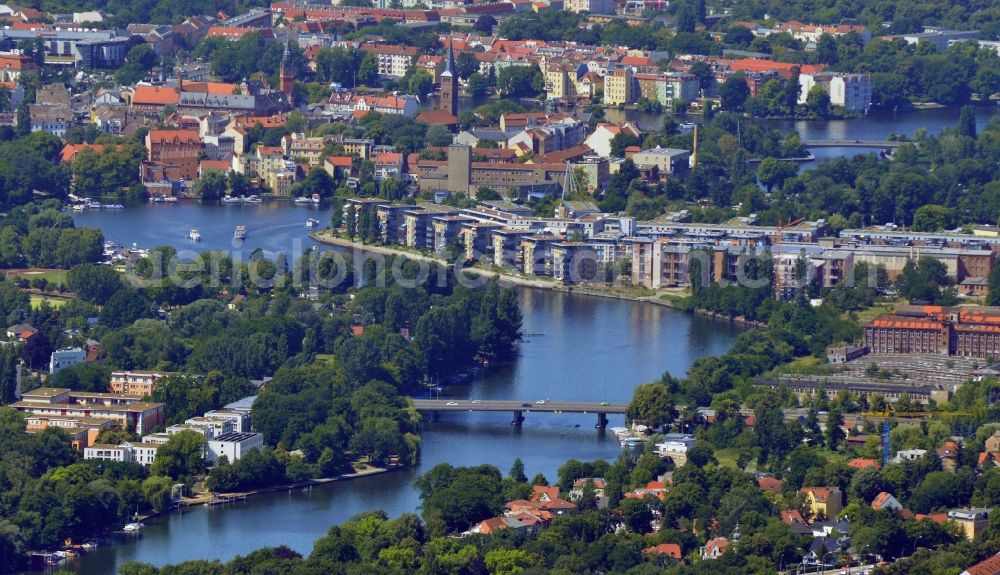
{"x":210,"y":498}
{"x":642,"y":295}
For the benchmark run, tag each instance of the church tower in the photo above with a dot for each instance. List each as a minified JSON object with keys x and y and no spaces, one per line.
{"x":449,"y":85}
{"x":286,"y":74}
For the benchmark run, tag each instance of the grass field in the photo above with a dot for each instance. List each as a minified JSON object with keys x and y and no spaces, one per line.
{"x":53,"y":276}
{"x":36,"y":301}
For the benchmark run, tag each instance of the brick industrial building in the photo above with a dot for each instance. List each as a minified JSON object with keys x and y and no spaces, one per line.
{"x":965,"y":332}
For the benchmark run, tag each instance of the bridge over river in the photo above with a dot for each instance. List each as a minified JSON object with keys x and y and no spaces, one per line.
{"x":518,"y":408}
{"x":853,"y":143}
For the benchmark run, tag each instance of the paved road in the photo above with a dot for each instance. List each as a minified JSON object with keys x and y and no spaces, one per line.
{"x":515,"y":405}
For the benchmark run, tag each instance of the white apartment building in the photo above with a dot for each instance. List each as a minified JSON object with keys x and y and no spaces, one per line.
{"x":233,"y":446}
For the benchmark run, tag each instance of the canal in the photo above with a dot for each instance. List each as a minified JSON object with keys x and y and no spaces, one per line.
{"x":578,"y":347}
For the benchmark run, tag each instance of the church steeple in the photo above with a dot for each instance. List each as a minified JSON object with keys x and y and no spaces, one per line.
{"x":286,"y":74}
{"x":449,"y":84}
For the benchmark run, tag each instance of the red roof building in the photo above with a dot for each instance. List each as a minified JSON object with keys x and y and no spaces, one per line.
{"x":671,"y":549}
{"x":990,"y":566}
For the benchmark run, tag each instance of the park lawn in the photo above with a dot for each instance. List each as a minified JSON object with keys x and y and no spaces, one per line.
{"x":55,"y":277}
{"x":866,"y":315}
{"x":729,"y":457}
{"x":326,"y":358}
{"x":36,"y":301}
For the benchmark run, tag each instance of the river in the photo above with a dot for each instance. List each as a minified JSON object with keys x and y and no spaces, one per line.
{"x":579,"y":347}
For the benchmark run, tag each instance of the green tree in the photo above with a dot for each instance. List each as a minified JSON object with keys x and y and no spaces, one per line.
{"x":183,"y":455}
{"x":467,"y":65}
{"x":933,"y":218}
{"x":733,"y":93}
{"x":211,"y":185}
{"x":773,"y":172}
{"x":818,"y":101}
{"x":477,"y":86}
{"x":967,"y":122}
{"x":652,"y":404}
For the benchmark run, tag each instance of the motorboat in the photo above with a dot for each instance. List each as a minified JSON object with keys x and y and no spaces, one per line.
{"x":232,"y":200}
{"x":194,"y":235}
{"x":133,"y":527}
{"x":302,"y":200}
{"x":315,"y":199}
{"x":312,"y":223}
{"x":79,"y":207}
{"x":254,"y":199}
{"x":240,"y":233}
{"x":113,"y":207}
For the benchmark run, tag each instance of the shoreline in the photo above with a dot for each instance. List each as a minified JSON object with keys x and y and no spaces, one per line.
{"x":331,"y":240}
{"x":309,"y":483}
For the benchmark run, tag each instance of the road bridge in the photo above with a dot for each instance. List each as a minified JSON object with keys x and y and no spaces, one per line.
{"x":518,"y":408}
{"x":853,"y":143}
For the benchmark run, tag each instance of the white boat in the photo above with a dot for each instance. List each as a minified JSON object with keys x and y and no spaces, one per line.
{"x":312,"y":223}
{"x":133,"y":527}
{"x":240,"y":233}
{"x":170,"y":200}
{"x":302,"y":200}
{"x":232,"y":200}
{"x":254,"y":199}
{"x":79,"y":207}
{"x":94,"y":205}
{"x":114,"y":207}
{"x":194,"y":235}
{"x":315,"y":199}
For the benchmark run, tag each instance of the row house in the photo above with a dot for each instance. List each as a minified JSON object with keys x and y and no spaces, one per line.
{"x":400,"y":104}
{"x":811,"y":33}
{"x":667,"y":87}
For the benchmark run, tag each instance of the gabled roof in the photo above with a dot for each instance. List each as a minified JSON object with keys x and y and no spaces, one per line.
{"x":990,"y":566}
{"x":671,"y":549}
{"x":882,"y":500}
{"x":770,"y":484}
{"x":155,"y":95}
{"x":544,"y":492}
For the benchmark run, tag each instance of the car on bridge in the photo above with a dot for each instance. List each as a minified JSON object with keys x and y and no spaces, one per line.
{"x":452,"y":404}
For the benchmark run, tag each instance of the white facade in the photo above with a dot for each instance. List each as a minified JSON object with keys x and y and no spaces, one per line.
{"x":233,"y":446}
{"x":853,"y":92}
{"x":240,"y":419}
{"x":592,"y":6}
{"x":63,"y":358}
{"x":106,"y":452}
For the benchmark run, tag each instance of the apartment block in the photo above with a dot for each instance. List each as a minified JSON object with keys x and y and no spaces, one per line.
{"x":136,"y":383}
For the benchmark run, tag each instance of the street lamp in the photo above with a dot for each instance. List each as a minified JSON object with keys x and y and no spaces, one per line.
{"x":823,"y":559}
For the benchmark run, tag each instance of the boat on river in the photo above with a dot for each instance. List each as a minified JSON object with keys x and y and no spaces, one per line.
{"x":194,"y":235}
{"x":312,"y":223}
{"x":240,"y":233}
{"x":134,"y":527}
{"x":302,"y":200}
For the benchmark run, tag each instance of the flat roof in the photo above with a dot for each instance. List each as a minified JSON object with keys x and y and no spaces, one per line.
{"x":46,"y":392}
{"x":234,"y":437}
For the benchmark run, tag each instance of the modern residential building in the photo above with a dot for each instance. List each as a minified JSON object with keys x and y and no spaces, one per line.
{"x":128,"y":452}
{"x":666,"y":160}
{"x":233,"y":446}
{"x":128,"y":412}
{"x":136,"y":383}
{"x":66,"y":357}
{"x":852,"y":92}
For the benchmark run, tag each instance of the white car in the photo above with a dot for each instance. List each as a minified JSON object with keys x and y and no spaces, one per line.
{"x":452,"y":404}
{"x":540,"y":402}
{"x":477,"y":401}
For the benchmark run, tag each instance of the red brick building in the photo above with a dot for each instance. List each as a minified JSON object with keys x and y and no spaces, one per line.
{"x":175,"y":147}
{"x":966,"y":332}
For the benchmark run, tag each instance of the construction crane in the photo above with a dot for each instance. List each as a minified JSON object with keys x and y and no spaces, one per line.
{"x":777,"y":244}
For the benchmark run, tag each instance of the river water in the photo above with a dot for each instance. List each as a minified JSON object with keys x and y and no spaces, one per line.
{"x":578,"y":348}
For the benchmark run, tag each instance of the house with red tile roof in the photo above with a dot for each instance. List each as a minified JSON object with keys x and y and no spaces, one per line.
{"x":885,"y":500}
{"x":714,"y":548}
{"x":544,"y":492}
{"x":989,"y":566}
{"x":770,"y":484}
{"x":822,"y":501}
{"x":671,"y":550}
{"x":863,"y":463}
